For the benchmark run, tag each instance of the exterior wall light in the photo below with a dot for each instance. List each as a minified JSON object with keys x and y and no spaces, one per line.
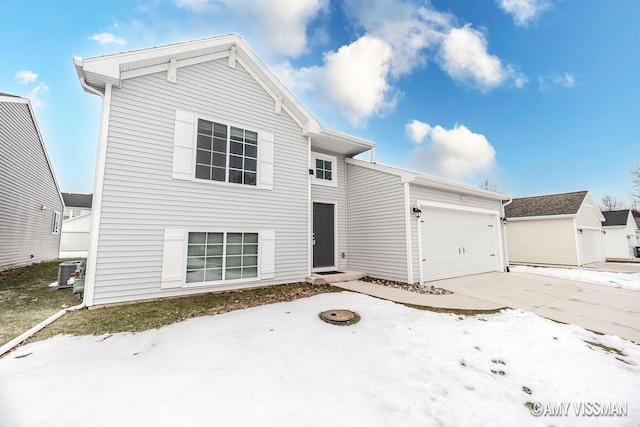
{"x":504,"y":220}
{"x":416,"y":211}
{"x":580,"y":230}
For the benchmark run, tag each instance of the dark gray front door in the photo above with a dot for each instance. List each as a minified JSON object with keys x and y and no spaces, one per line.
{"x":323,"y":234}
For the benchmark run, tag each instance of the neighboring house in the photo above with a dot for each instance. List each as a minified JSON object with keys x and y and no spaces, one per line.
{"x":30,"y":201}
{"x":619,"y":234}
{"x":76,"y":226}
{"x":563,"y":229}
{"x":76,"y":205}
{"x":212,"y":176}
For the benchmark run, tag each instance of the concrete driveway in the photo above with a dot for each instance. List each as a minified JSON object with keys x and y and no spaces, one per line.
{"x":598,"y":308}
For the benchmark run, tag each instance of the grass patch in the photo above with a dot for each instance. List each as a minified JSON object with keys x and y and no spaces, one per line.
{"x":605,"y":348}
{"x":155,"y":314}
{"x":26,"y":298}
{"x":459,"y":311}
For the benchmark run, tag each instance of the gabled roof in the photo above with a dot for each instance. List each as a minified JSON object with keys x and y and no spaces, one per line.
{"x":620,"y":217}
{"x":75,"y":200}
{"x":547,"y":205}
{"x":112,"y":69}
{"x":9,"y":98}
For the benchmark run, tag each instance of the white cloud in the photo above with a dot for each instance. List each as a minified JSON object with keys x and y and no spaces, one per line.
{"x":463,"y":55}
{"x":355,"y":78}
{"x":454,"y":153}
{"x":417,"y":131}
{"x":108,"y":38}
{"x":26,"y":77}
{"x":524,"y":11}
{"x":563,"y":80}
{"x":35,"y":95}
{"x":281,"y":24}
{"x":407,"y":28}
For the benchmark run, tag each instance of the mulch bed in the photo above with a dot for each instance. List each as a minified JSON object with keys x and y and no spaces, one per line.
{"x":420,"y":289}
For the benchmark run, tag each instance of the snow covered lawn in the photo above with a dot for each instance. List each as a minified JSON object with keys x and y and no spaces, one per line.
{"x":281,"y":365}
{"x":617,"y":280}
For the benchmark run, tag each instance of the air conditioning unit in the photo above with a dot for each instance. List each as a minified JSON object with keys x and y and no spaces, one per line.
{"x":66,"y":270}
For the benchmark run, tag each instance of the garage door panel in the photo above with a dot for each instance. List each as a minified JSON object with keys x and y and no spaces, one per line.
{"x":457,"y":243}
{"x":591,"y":246}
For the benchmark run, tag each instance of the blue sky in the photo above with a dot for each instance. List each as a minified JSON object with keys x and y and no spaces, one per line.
{"x":538,"y":96}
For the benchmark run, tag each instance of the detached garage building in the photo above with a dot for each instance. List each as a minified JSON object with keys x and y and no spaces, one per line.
{"x":619,"y":234}
{"x":563,"y":229}
{"x":412,"y":228}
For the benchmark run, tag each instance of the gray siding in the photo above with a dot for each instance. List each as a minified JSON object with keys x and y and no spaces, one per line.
{"x":26,"y":183}
{"x":338,"y":195}
{"x":141,"y":199}
{"x":419,"y":192}
{"x":376,"y":224}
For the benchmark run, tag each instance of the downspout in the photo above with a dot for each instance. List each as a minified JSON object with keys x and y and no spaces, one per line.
{"x":101,"y":157}
{"x":407,"y":232}
{"x":309,"y":210}
{"x":504,"y":234}
{"x":28,"y":334}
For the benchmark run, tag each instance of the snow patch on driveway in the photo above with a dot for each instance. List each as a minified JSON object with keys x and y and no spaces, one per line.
{"x":617,"y":280}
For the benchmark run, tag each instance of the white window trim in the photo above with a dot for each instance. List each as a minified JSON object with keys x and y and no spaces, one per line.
{"x":55,"y":226}
{"x":334,"y":169}
{"x":229,"y":125}
{"x":218,"y":283}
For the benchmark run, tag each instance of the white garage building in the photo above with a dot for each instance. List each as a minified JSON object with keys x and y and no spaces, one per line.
{"x":619,"y":234}
{"x":562,"y":229}
{"x":415,"y":228}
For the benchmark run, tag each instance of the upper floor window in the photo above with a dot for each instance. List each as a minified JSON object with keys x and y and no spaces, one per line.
{"x":226,"y":153}
{"x":324,"y":171}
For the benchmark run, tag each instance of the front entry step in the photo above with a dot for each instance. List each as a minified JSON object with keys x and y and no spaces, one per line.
{"x":344,"y":276}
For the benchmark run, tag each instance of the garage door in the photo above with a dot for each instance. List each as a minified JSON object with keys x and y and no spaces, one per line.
{"x":591,"y":246}
{"x":457,"y":243}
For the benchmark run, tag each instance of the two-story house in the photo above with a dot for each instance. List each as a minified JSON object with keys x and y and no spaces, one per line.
{"x":212,"y":176}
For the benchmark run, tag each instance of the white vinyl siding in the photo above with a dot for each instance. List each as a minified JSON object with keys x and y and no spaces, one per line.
{"x":142,"y":198}
{"x":335,"y":195}
{"x":75,"y":233}
{"x":376,"y":224}
{"x":544,"y":241}
{"x":28,"y":192}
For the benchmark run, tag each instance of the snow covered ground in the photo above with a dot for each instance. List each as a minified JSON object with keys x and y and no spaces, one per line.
{"x":616,"y":280}
{"x":280,"y":365}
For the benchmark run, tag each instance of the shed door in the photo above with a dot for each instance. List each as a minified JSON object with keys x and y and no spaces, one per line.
{"x":323,"y":235}
{"x":591,"y":246}
{"x":458,"y":243}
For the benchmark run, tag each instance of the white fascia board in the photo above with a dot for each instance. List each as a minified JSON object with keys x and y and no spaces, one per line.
{"x":431,"y":181}
{"x":404,"y":176}
{"x":366,"y":145}
{"x":541,"y":217}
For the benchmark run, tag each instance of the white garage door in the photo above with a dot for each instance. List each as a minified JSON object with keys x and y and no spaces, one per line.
{"x":457,"y":243}
{"x":591,"y":246}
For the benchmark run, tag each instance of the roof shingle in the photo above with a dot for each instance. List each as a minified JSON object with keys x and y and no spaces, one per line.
{"x":615,"y":217}
{"x":551,"y":204}
{"x":76,"y":200}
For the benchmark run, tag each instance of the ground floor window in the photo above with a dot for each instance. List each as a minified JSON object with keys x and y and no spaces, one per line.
{"x":221,"y":256}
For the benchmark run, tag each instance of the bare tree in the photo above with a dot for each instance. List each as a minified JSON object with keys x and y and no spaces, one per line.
{"x":486,"y":185}
{"x":635,"y":172}
{"x":610,"y":203}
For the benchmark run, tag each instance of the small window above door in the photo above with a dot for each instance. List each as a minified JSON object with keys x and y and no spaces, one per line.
{"x":324,"y":169}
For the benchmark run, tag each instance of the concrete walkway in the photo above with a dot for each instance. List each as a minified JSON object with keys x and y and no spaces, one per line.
{"x":598,"y":308}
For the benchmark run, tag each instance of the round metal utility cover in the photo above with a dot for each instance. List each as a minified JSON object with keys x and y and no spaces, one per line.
{"x":339,"y":317}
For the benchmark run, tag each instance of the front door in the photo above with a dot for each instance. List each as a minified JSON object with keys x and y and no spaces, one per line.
{"x":323,"y":235}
